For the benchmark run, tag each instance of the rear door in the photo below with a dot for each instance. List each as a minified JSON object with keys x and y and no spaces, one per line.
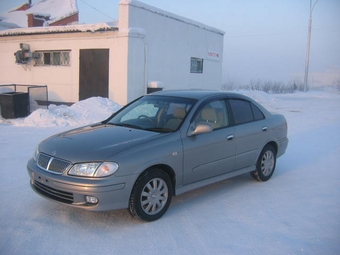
{"x":251,"y":132}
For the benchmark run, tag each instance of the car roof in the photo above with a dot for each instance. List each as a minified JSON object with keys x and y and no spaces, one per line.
{"x":198,"y":94}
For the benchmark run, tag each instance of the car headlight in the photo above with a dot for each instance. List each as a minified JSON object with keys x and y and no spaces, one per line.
{"x":94,"y":169}
{"x":35,"y":154}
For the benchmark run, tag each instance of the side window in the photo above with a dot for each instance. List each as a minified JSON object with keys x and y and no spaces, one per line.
{"x":215,"y":113}
{"x":241,"y":110}
{"x":245,"y":111}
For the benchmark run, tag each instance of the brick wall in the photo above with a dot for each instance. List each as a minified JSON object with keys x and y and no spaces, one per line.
{"x":38,"y":21}
{"x":24,"y":7}
{"x":67,"y":20}
{"x":34,"y":21}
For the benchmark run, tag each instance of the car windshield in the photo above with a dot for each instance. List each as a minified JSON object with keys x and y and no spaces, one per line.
{"x":154,"y":113}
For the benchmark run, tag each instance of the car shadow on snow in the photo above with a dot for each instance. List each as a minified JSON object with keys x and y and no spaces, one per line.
{"x":58,"y":214}
{"x":205,"y":198}
{"x":52,"y":213}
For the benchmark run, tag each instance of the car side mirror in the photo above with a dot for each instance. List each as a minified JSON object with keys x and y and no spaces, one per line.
{"x":200,"y":128}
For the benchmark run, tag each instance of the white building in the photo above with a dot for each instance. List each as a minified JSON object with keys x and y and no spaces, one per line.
{"x":146,"y":47}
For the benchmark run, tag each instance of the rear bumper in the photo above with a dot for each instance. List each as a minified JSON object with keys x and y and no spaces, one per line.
{"x":283,"y":144}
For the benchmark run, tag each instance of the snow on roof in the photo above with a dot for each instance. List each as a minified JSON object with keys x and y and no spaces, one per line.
{"x":170,"y":15}
{"x":61,"y":8}
{"x":6,"y":25}
{"x":110,"y":26}
{"x":55,"y":9}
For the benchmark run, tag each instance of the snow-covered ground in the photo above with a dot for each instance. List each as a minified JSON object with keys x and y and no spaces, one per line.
{"x":296,"y":212}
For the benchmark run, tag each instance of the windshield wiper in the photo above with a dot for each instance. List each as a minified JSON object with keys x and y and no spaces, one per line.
{"x":159,"y":129}
{"x":125,"y":125}
{"x":154,"y":129}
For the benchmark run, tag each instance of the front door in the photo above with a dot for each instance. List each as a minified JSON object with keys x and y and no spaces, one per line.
{"x":93,"y":73}
{"x":210,"y":154}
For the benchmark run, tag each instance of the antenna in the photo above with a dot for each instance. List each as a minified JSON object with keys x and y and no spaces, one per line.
{"x":97,"y":9}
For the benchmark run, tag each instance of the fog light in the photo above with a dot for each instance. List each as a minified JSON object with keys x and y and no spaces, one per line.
{"x":91,"y":200}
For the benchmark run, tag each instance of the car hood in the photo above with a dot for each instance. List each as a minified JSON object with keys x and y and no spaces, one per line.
{"x":94,"y":143}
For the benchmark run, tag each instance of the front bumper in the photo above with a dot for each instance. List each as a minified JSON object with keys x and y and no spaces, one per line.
{"x":112,"y":192}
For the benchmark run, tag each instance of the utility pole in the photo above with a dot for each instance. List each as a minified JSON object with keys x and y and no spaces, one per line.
{"x":311,"y":7}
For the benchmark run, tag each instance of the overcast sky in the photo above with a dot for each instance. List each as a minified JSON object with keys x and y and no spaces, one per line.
{"x":265,"y":39}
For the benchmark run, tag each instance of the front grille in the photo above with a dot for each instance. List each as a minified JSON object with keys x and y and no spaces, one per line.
{"x":58,"y":195}
{"x":52,"y":164}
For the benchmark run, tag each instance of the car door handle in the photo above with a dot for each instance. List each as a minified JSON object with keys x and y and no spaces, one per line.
{"x":230,"y":137}
{"x":264,"y":128}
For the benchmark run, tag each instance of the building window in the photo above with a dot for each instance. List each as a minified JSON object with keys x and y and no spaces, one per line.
{"x":47,"y":59}
{"x":52,"y":58}
{"x":196,"y":65}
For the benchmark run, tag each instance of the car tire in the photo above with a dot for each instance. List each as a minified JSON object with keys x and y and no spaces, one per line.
{"x":151,"y":195}
{"x":265,"y":164}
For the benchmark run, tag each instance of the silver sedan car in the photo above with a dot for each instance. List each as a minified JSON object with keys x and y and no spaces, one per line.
{"x":158,"y":146}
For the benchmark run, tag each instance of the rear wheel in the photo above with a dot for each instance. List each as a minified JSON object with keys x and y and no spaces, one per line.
{"x":265,"y":164}
{"x":151,"y":195}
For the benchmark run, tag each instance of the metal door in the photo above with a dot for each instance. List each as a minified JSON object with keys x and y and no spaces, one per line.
{"x":93,"y":73}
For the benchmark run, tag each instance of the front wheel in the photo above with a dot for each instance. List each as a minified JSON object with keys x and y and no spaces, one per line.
{"x":266,"y":164}
{"x":151,"y":195}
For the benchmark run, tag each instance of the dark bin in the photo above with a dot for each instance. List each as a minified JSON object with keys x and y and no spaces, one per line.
{"x":151,"y":90}
{"x":14,"y":105}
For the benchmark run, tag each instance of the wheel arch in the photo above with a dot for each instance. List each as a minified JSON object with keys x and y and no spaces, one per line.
{"x":167,"y":169}
{"x":263,"y":165}
{"x":273,"y":144}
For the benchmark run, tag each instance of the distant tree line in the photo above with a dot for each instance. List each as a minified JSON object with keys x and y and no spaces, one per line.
{"x":272,"y":87}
